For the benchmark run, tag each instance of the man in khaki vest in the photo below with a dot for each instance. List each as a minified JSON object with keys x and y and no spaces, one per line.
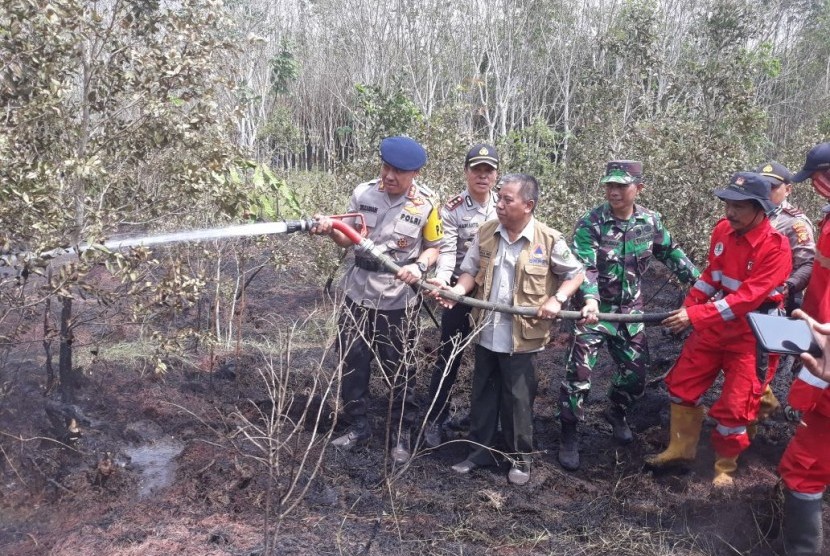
{"x":519,"y":261}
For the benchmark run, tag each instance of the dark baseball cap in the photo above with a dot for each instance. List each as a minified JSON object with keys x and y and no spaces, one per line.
{"x":482,"y":154}
{"x":747,"y":186}
{"x":404,"y":153}
{"x":774,"y":172}
{"x":817,"y":159}
{"x":623,"y":171}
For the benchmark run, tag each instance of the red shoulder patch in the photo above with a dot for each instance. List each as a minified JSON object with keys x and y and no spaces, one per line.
{"x":453,"y":203}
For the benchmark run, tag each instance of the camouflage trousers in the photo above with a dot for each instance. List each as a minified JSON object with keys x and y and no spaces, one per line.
{"x":630,"y":353}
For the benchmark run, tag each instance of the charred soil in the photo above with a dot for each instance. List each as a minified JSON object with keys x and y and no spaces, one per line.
{"x":165,"y":464}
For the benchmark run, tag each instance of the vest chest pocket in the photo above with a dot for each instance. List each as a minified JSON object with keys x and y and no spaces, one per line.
{"x":534,"y":281}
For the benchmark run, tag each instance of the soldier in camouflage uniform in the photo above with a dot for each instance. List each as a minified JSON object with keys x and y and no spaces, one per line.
{"x":376,"y":322}
{"x":462,"y":215}
{"x":794,"y":224}
{"x":615,"y":242}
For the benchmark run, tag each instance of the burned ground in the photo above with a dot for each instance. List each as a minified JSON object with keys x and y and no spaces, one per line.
{"x":163,"y":466}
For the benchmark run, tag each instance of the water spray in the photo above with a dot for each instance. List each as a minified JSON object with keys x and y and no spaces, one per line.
{"x":241,"y":230}
{"x":361,"y":243}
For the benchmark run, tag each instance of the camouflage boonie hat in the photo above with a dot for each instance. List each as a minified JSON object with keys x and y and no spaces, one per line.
{"x":623,"y":171}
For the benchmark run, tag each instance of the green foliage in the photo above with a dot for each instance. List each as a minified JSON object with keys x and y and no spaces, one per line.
{"x":384,"y":113}
{"x":285,"y":68}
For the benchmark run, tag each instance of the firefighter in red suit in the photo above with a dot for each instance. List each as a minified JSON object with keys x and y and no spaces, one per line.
{"x":748,"y":262}
{"x":817,"y":300}
{"x":805,"y":466}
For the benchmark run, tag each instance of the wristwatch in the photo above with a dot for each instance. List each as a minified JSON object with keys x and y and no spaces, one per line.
{"x":560,"y":297}
{"x":421,"y":266}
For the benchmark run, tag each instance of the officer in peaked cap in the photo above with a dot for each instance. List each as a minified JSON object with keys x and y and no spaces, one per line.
{"x":613,"y":277}
{"x":748,"y":261}
{"x":794,"y":224}
{"x":377,"y":321}
{"x":462,"y":215}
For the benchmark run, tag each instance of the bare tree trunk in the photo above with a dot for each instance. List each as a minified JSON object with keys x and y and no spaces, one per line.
{"x":67,"y":374}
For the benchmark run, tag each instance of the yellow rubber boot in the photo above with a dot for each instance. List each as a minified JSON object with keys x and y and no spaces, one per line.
{"x":769,"y":405}
{"x":684,"y":433}
{"x":724,"y":467}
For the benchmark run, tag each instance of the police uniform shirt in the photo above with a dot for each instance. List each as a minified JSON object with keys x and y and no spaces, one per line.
{"x":401,"y":227}
{"x":497,"y":334}
{"x":461,"y":215}
{"x":797,"y":227}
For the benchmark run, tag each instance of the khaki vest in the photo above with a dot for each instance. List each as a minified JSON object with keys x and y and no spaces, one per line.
{"x":534,"y":282}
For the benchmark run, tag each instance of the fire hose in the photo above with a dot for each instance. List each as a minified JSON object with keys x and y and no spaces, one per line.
{"x":367,"y":246}
{"x":361,"y":243}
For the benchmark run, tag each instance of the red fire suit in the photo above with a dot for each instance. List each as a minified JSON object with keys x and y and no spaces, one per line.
{"x":743,"y":273}
{"x":805,"y":467}
{"x":816,"y":300}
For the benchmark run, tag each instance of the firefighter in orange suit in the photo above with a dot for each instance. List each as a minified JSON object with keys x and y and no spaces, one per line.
{"x":748,"y":263}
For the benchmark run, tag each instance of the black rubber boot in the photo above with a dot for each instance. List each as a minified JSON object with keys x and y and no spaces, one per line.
{"x":569,"y":446}
{"x":621,"y":431}
{"x":802,"y":526}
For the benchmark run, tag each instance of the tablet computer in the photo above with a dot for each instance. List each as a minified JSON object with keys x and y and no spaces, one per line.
{"x":783,"y":335}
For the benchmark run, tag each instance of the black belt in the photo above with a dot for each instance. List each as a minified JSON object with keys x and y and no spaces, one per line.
{"x":374,"y":265}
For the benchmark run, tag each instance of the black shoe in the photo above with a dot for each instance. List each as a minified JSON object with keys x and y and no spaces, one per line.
{"x":401,"y":452}
{"x":433,"y":435}
{"x":359,"y":433}
{"x":569,"y":446}
{"x":621,"y":431}
{"x":519,"y":474}
{"x":464,"y":467}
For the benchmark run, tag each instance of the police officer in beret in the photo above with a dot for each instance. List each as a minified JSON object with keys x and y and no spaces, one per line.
{"x":379,"y":316}
{"x":462,"y":215}
{"x":748,"y":261}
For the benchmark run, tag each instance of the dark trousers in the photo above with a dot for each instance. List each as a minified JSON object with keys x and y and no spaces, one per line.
{"x":455,"y":329}
{"x":502,"y":384}
{"x":389,"y":338}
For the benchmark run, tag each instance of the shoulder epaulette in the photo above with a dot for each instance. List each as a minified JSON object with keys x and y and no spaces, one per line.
{"x":794,"y":211}
{"x":454,"y":203}
{"x":429,"y":194}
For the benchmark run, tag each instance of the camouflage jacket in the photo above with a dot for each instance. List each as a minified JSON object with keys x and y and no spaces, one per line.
{"x":616,"y":254}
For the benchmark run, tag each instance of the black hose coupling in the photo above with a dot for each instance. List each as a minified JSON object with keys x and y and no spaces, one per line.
{"x":299,"y":225}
